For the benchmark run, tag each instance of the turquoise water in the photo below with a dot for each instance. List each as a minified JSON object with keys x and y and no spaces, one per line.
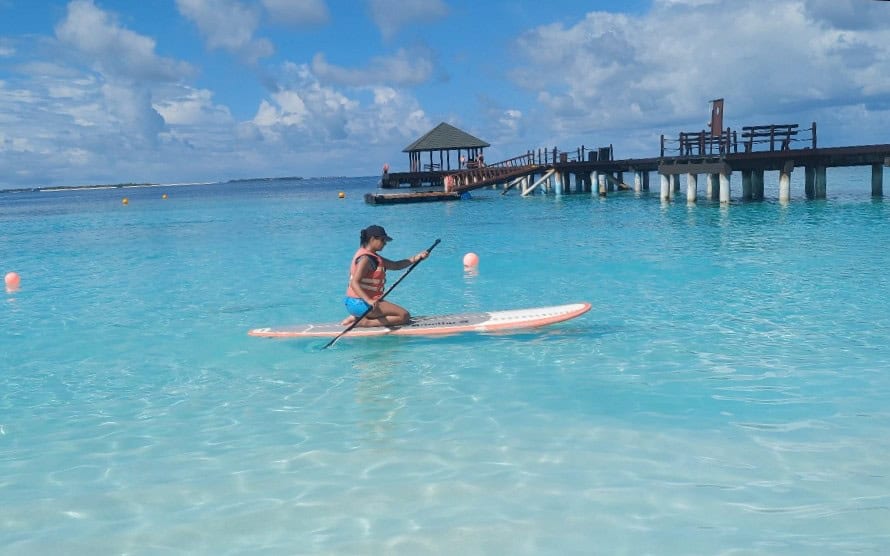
{"x":726,"y":394}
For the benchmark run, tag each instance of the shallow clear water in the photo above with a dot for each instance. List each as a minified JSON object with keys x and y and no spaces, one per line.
{"x":727,"y":393}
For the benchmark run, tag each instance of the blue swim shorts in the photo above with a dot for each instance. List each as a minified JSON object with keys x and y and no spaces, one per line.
{"x":356,"y":306}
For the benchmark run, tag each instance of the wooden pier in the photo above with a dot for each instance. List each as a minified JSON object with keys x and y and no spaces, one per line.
{"x":751,"y":151}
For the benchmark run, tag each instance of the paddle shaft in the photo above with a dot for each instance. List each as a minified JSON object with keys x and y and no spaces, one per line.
{"x":402,"y":277}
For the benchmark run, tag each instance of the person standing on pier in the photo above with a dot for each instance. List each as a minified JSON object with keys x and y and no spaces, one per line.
{"x":367,"y":281}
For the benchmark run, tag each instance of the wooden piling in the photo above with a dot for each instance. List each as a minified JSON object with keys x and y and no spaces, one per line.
{"x":809,"y":186}
{"x":785,"y":182}
{"x":691,"y":187}
{"x":747,"y":185}
{"x":757,"y":185}
{"x":820,"y":185}
{"x":724,"y":187}
{"x":712,"y":190}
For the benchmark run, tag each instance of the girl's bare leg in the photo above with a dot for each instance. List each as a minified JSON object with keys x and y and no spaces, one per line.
{"x":386,"y":314}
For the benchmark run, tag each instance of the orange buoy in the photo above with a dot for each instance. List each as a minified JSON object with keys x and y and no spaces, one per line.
{"x":471,"y":260}
{"x":13,"y":281}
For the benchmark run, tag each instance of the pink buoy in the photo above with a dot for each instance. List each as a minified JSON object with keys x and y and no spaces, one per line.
{"x":471,"y":260}
{"x":13,"y":281}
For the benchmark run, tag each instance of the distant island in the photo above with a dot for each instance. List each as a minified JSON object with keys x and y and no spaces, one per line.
{"x":133,"y":185}
{"x":266,"y":179}
{"x":68,"y":187}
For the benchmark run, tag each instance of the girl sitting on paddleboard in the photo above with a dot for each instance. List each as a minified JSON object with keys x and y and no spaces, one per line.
{"x":367,"y":278}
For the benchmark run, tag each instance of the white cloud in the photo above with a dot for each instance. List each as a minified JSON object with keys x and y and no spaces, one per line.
{"x":305,"y":114}
{"x":113,"y":49}
{"x":91,"y":106}
{"x":228,"y":25}
{"x":765,"y":57}
{"x":511,"y":120}
{"x":297,"y":13}
{"x":404,"y":68}
{"x":192,"y":107}
{"x":131,"y":111}
{"x":119,"y":95}
{"x":307,"y":108}
{"x":392,"y":15}
{"x":393,"y":114}
{"x":849,"y":14}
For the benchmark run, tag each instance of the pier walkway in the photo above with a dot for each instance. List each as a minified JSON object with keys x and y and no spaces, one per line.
{"x":507,"y":172}
{"x":757,"y":149}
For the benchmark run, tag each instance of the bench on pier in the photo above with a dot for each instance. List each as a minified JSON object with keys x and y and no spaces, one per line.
{"x":776,"y":135}
{"x":702,"y":143}
{"x":432,"y":167}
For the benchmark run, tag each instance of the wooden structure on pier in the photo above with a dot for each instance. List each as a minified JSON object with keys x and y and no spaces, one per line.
{"x":770,"y":147}
{"x":717,"y":153}
{"x":433,"y":151}
{"x":458,"y":184}
{"x":503,"y":172}
{"x":441,"y":150}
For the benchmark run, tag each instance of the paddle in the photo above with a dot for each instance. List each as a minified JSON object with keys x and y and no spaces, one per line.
{"x":402,"y":277}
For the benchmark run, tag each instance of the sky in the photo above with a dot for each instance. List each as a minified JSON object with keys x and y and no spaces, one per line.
{"x":179,"y":91}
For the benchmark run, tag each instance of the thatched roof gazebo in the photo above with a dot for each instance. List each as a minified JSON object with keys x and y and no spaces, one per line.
{"x":439,"y":143}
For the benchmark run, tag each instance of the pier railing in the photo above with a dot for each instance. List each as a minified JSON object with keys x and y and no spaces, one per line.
{"x":756,"y":138}
{"x":479,"y":176}
{"x":548,"y":156}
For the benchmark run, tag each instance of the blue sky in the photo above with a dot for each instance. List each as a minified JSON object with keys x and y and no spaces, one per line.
{"x":168,"y":91}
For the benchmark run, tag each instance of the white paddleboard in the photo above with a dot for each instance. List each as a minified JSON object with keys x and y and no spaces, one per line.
{"x":492,"y":321}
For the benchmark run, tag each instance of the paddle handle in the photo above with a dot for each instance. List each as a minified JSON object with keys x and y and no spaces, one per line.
{"x":402,"y":277}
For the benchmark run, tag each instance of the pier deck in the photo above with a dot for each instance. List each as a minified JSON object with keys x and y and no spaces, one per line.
{"x":764,"y":148}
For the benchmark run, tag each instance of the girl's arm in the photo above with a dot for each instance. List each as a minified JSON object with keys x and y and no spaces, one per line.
{"x":404,"y":263}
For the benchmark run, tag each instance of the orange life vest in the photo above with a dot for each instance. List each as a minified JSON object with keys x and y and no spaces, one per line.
{"x":373,"y":282}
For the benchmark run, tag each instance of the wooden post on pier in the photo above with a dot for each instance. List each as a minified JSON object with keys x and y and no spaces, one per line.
{"x":638,"y":181}
{"x":712,"y":186}
{"x":724,"y":188}
{"x":747,"y":195}
{"x":820,"y":185}
{"x":602,"y":184}
{"x":809,"y":184}
{"x":665,"y":187}
{"x":877,"y":180}
{"x":785,"y":182}
{"x":691,"y":187}
{"x":757,"y":185}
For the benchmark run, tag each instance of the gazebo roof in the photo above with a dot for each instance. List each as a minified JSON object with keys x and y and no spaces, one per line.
{"x":445,"y":137}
